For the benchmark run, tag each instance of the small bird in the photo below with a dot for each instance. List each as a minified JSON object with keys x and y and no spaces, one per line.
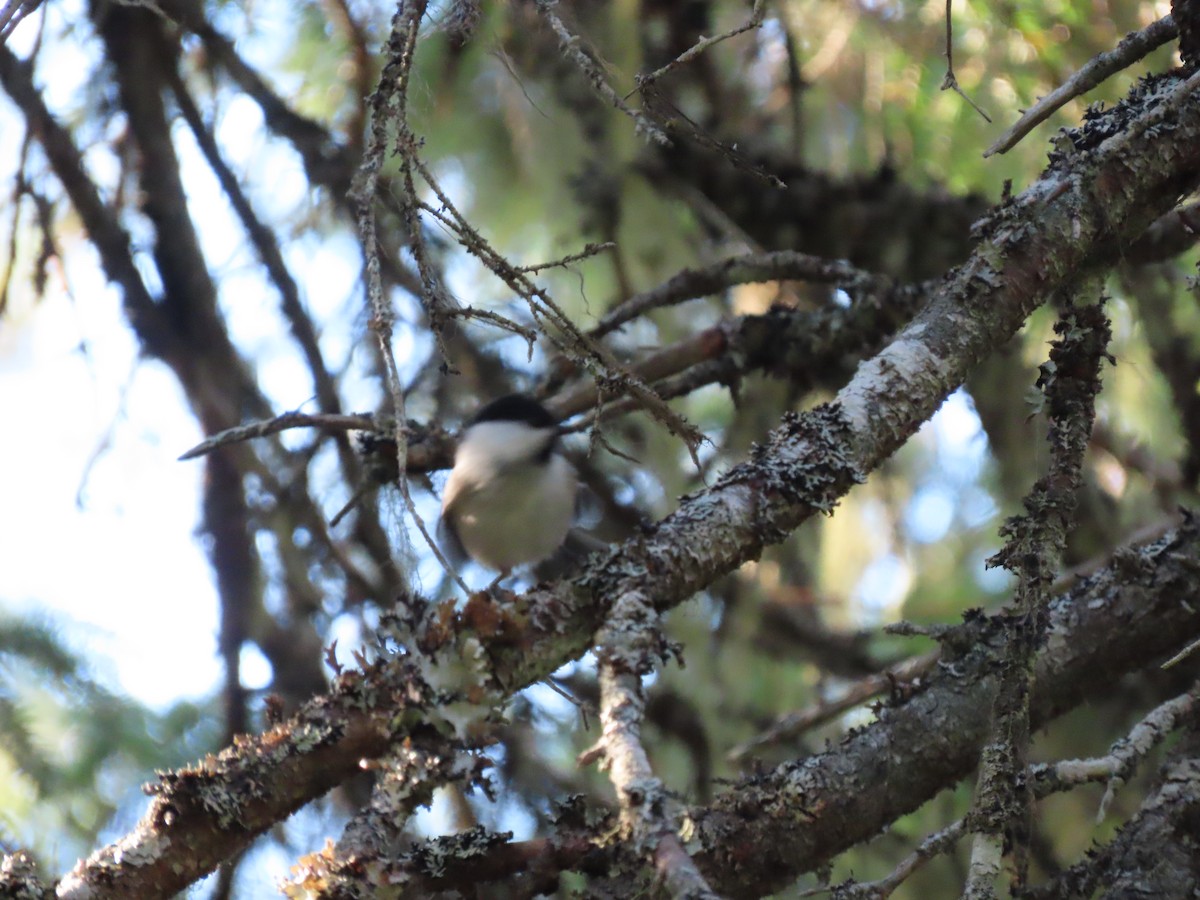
{"x":510,"y":498}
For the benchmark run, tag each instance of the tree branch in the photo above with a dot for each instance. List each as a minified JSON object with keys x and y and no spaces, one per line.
{"x":1045,"y":779}
{"x":1070,"y":381}
{"x":1132,"y":48}
{"x":1123,"y":618}
{"x":631,"y":643}
{"x":1033,"y":248}
{"x":813,"y":809}
{"x":1154,"y":854}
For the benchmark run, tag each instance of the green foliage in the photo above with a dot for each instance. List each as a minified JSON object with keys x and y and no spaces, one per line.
{"x":72,"y":748}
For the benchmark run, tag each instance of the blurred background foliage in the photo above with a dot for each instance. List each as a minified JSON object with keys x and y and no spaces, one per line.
{"x":844,"y":96}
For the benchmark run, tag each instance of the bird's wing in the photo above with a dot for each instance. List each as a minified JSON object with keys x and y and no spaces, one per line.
{"x":457,"y":490}
{"x":450,"y":542}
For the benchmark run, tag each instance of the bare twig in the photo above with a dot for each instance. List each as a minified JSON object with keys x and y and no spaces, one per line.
{"x":950,"y":83}
{"x":253,"y":430}
{"x":570,"y":44}
{"x":755,"y":21}
{"x":388,"y":104}
{"x":504,"y":323}
{"x":793,"y":724}
{"x":939,"y":842}
{"x":664,"y":109}
{"x":1132,"y":48}
{"x":748,"y":268}
{"x":588,"y":251}
{"x":587,"y":353}
{"x":1182,"y":654}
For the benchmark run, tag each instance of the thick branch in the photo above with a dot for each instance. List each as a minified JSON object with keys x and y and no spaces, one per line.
{"x":1034,"y":247}
{"x":768,"y":829}
{"x":1155,"y":854}
{"x":1119,"y":620}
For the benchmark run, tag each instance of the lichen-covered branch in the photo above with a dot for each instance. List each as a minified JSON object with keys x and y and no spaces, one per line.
{"x":20,"y":878}
{"x":1117,"y":180}
{"x":1045,"y":779}
{"x":1070,"y":381}
{"x":592,"y":70}
{"x":768,"y":829}
{"x":1121,"y":619}
{"x":1118,"y":765}
{"x":203,"y":814}
{"x":405,"y":779}
{"x":631,"y":643}
{"x":1156,"y":853}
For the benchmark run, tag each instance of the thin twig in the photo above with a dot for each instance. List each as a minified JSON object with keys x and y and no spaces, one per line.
{"x":933,"y":846}
{"x":749,"y":268}
{"x":755,"y":21}
{"x":950,"y":82}
{"x":589,"y":250}
{"x":664,"y":109}
{"x":1182,"y":654}
{"x":792,"y":724}
{"x":390,"y":101}
{"x":494,"y":318}
{"x":1046,"y":779}
{"x":1133,"y":47}
{"x":589,"y":394}
{"x":570,"y":44}
{"x":253,"y":430}
{"x":587,"y":353}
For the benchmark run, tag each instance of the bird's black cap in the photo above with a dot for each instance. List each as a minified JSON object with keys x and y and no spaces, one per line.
{"x":516,"y":408}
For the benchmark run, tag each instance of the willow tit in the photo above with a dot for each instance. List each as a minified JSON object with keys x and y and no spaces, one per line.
{"x":510,"y":498}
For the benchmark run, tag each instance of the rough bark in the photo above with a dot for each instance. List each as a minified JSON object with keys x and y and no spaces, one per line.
{"x":1115,"y":178}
